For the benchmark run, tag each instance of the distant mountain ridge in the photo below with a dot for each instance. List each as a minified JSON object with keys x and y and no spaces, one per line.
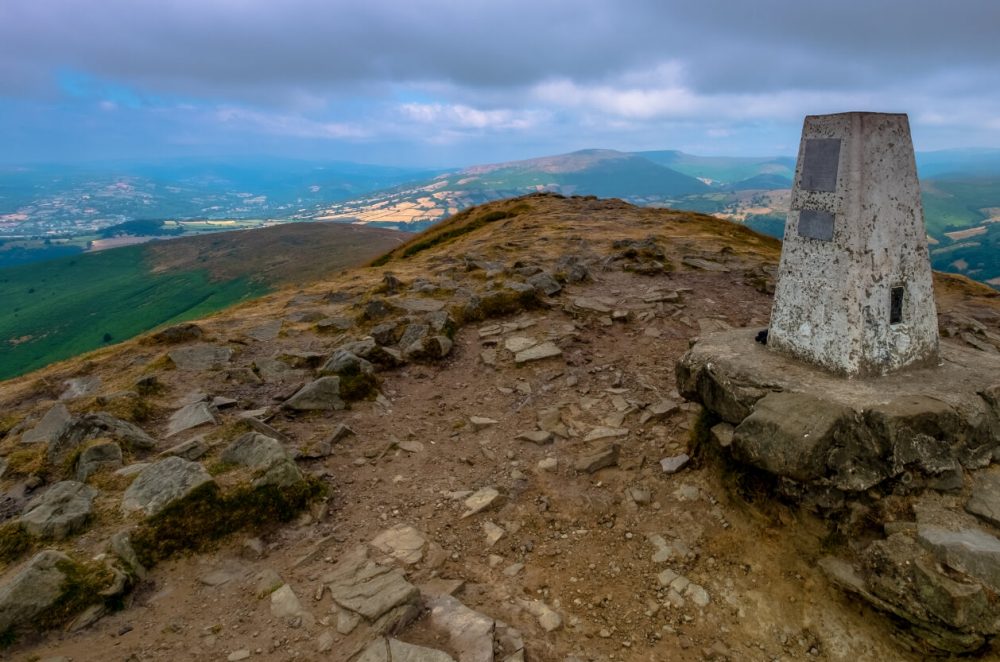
{"x":58,"y":212}
{"x":600,"y":172}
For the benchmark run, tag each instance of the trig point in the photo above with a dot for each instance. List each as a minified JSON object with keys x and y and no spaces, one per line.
{"x":826,"y":408}
{"x":854,"y":292}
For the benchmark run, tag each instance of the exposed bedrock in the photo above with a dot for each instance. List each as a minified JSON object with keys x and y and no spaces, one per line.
{"x":802,"y":423}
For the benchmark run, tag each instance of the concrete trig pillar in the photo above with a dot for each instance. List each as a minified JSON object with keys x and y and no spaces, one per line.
{"x":854,"y":292}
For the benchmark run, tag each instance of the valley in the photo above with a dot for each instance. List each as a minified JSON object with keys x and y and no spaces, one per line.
{"x":75,"y":304}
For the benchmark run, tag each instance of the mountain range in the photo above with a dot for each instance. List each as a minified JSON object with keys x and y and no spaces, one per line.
{"x":46,"y":211}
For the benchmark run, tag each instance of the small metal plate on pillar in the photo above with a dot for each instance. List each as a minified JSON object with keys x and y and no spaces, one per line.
{"x":820,"y":164}
{"x":896,"y":305}
{"x":816,"y":224}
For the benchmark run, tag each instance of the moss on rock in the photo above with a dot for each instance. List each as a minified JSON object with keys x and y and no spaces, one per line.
{"x":15,"y":542}
{"x":208,"y":514}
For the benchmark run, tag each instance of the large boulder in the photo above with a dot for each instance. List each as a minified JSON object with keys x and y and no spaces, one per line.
{"x":368,"y":349}
{"x":191,"y":416}
{"x":322,"y":394}
{"x":805,"y":438}
{"x":413,"y":333}
{"x":162,"y":484}
{"x":545,"y":284}
{"x":441,"y":323}
{"x":103,"y":425}
{"x":917,"y":428}
{"x":50,"y":428}
{"x":59,"y":511}
{"x":378,"y":593}
{"x":394,"y":650}
{"x":985,"y":499}
{"x":971,"y":551}
{"x":899,"y":571}
{"x":196,"y":358}
{"x":930,"y":434}
{"x":728,"y":397}
{"x":470,"y":633}
{"x":429,"y":348}
{"x":266,"y":457}
{"x":100,"y":455}
{"x":37,"y":587}
{"x":343,"y":362}
{"x":388,"y":333}
{"x":940,"y":611}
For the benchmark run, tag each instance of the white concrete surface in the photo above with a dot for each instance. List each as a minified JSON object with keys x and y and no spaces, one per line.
{"x":833,"y":296}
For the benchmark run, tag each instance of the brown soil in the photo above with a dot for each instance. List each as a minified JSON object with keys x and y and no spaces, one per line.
{"x":582,"y":541}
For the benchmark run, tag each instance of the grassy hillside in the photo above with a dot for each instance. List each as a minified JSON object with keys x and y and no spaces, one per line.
{"x":64,"y":307}
{"x":72,"y":305}
{"x":977,"y":257}
{"x":954,"y":203}
{"x":723,"y":169}
{"x":604,"y":173}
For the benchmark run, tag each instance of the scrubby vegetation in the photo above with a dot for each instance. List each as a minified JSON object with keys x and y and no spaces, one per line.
{"x":82,"y":587}
{"x":209,"y":514}
{"x":14,"y":542}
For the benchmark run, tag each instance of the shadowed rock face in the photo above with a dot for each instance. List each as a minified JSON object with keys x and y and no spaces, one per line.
{"x":801,"y":423}
{"x":32,"y":590}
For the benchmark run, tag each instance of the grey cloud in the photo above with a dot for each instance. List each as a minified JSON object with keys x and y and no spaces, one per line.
{"x":264,"y":50}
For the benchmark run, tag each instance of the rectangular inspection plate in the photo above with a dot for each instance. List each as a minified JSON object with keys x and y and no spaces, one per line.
{"x":816,"y":224}
{"x":820,"y":163}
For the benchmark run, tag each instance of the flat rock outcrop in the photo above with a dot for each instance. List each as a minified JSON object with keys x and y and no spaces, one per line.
{"x":34,"y":589}
{"x":59,"y":511}
{"x":163,"y":483}
{"x":941,"y":582}
{"x":271,"y":463}
{"x":802,"y":423}
{"x":378,"y":593}
{"x":321,"y":394}
{"x":196,"y":358}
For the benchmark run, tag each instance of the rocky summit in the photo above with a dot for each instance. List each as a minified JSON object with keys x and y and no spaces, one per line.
{"x":494,"y":445}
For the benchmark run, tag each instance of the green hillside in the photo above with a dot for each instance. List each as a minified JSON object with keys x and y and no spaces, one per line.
{"x":977,"y":257}
{"x":957,"y":203}
{"x":604,"y":173}
{"x":68,"y":306}
{"x":722,"y":169}
{"x":61,"y":308}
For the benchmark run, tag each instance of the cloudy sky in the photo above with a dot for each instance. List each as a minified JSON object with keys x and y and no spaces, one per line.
{"x":457,"y":82}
